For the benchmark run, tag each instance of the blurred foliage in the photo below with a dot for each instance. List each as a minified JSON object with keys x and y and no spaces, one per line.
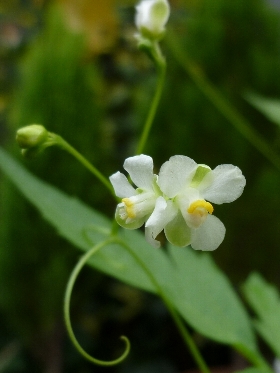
{"x":269,"y":107}
{"x":60,"y":88}
{"x":96,"y":19}
{"x":94,"y":89}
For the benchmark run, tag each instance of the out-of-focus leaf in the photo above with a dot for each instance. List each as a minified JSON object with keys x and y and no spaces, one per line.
{"x":190,"y":280}
{"x":265,"y":301}
{"x":98,"y":20}
{"x":253,"y":370}
{"x":269,"y":107}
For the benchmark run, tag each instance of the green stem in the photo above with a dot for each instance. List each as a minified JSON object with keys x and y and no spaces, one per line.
{"x":177,"y":319}
{"x":161,"y":68}
{"x":187,"y":338}
{"x":114,"y":228}
{"x":217,"y":99}
{"x":59,"y":141}
{"x":67,"y":299}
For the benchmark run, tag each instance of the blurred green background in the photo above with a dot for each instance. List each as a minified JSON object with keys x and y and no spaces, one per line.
{"x":74,"y":67}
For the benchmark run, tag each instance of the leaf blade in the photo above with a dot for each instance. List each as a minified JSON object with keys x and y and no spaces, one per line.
{"x":269,"y":107}
{"x":79,"y":224}
{"x":218,"y":313}
{"x":265,"y":301}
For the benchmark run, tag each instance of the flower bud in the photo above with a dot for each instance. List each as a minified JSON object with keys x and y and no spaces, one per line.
{"x":151,"y":18}
{"x":31,"y":136}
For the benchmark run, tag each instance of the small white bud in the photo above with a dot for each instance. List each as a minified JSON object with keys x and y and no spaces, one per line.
{"x":151,"y":18}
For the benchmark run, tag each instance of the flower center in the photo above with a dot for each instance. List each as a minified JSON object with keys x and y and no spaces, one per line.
{"x":198,"y":212}
{"x":137,"y":206}
{"x":129,"y":207}
{"x":200,"y":207}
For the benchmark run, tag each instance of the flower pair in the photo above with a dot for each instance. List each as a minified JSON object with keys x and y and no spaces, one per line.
{"x":178,"y":200}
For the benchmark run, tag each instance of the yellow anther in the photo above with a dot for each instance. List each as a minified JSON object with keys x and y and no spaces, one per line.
{"x":127,"y":202}
{"x":129,"y":207}
{"x":200,"y":204}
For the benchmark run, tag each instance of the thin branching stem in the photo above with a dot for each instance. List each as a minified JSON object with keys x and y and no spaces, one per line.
{"x":59,"y":141}
{"x":68,"y":293}
{"x":174,"y":314}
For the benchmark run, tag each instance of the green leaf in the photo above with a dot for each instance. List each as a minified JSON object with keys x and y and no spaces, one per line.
{"x":190,"y":280}
{"x":207,"y":300}
{"x":265,"y":301}
{"x":84,"y":227}
{"x":269,"y":107}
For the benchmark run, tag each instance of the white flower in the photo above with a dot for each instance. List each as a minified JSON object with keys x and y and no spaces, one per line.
{"x":184,"y":211}
{"x":177,"y":201}
{"x":137,"y":204}
{"x":151,"y":18}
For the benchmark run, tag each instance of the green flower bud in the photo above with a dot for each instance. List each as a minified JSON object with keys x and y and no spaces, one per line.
{"x":32,"y":136}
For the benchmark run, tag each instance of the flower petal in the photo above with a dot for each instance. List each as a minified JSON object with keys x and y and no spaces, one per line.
{"x":152,"y":15}
{"x":137,"y":223}
{"x":228,"y":184}
{"x":140,"y":169}
{"x":164,"y":212}
{"x":177,"y":232}
{"x":209,"y":235}
{"x":184,"y":200}
{"x":121,"y":185}
{"x":175,"y":174}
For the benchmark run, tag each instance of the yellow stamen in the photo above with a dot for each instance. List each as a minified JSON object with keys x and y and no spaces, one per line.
{"x":127,"y":202}
{"x":200,"y":203}
{"x":129,"y":206}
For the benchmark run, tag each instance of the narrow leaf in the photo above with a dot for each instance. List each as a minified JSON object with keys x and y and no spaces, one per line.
{"x":269,"y":107}
{"x":207,"y":300}
{"x":254,"y":370}
{"x":265,"y":301}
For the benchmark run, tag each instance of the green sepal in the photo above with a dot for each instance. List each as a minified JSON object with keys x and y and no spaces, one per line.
{"x":133,"y":225}
{"x":201,"y":171}
{"x":177,"y":232}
